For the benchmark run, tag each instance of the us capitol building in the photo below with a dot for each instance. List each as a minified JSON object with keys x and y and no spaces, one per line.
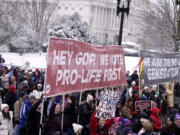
{"x":103,"y":21}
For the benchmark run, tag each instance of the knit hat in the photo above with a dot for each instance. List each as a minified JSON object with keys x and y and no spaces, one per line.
{"x":31,"y":96}
{"x":89,"y":97}
{"x":116,"y":120}
{"x":125,"y":122}
{"x":12,"y":89}
{"x":3,"y":106}
{"x":22,"y":93}
{"x":39,"y":85}
{"x":6,"y":84}
{"x":133,"y":82}
{"x":77,"y":127}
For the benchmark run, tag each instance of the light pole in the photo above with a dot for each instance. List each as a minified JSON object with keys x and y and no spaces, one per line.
{"x":123,"y":10}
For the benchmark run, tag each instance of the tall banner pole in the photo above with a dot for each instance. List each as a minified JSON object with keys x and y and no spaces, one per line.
{"x":42,"y":110}
{"x":62,"y":120}
{"x":97,"y":91}
{"x":80,"y":97}
{"x":44,"y":91}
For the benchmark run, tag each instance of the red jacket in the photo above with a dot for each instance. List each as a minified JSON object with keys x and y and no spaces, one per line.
{"x":156,"y":119}
{"x":94,"y":124}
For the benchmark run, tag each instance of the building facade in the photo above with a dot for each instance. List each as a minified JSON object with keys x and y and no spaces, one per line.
{"x":102,"y":19}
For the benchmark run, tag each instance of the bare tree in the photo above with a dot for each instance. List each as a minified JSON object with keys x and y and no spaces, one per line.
{"x":32,"y":18}
{"x":162,"y":31}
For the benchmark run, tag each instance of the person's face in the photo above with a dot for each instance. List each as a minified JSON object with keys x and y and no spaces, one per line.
{"x":32,"y":101}
{"x":178,"y":123}
{"x":6,"y":109}
{"x":118,"y":106}
{"x":39,"y":87}
{"x":101,"y":123}
{"x":128,"y":72}
{"x":13,"y":79}
{"x":169,"y":122}
{"x":57,"y":110}
{"x":130,"y":104}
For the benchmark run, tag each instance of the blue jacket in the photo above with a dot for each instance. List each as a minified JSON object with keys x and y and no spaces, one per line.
{"x":24,"y":113}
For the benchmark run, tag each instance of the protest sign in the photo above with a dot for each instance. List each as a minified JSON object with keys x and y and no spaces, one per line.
{"x":112,"y":130}
{"x":74,"y":66}
{"x":160,"y":67}
{"x":143,"y":105}
{"x":107,"y":105}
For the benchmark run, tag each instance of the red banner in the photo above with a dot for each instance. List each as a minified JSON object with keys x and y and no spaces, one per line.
{"x":143,"y":105}
{"x":74,"y":66}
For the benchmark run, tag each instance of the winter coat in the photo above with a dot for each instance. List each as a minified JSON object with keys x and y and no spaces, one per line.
{"x":33,"y":121}
{"x":17,"y":107}
{"x":164,"y":107}
{"x":24,"y":113}
{"x":95,"y":130}
{"x":37,"y":94}
{"x":156,"y":119}
{"x":10,"y":99}
{"x":134,"y":77}
{"x":177,"y":130}
{"x":54,"y":122}
{"x":126,"y":112}
{"x":170,"y":94}
{"x":169,"y":130}
{"x":68,"y":117}
{"x":177,"y":90}
{"x":6,"y":127}
{"x":152,"y":96}
{"x":86,"y":113}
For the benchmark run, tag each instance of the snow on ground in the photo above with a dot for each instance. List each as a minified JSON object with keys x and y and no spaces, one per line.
{"x":38,"y":60}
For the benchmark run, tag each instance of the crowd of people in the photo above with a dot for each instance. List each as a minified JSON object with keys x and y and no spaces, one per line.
{"x":21,"y":92}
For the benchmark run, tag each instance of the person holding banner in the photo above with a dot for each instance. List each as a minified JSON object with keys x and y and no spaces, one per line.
{"x":87,"y":110}
{"x":99,"y":126}
{"x":54,"y":120}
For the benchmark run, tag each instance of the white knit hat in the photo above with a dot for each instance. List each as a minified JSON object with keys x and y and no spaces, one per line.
{"x":76,"y":127}
{"x":3,"y":106}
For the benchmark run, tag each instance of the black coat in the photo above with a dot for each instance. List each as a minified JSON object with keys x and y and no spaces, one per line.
{"x":33,"y":122}
{"x":10,"y":99}
{"x":54,"y":122}
{"x":68,"y":117}
{"x":177,"y":90}
{"x":85,"y":116}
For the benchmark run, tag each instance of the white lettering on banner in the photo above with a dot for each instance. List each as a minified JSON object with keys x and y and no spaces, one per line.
{"x":104,"y":59}
{"x":162,"y":73}
{"x":62,"y":57}
{"x":112,"y":74}
{"x":67,"y":77}
{"x":85,"y":59}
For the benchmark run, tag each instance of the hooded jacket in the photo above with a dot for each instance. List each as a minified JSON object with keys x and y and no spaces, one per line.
{"x":24,"y":113}
{"x":156,"y":119}
{"x":95,"y":130}
{"x":170,"y":94}
{"x":10,"y":98}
